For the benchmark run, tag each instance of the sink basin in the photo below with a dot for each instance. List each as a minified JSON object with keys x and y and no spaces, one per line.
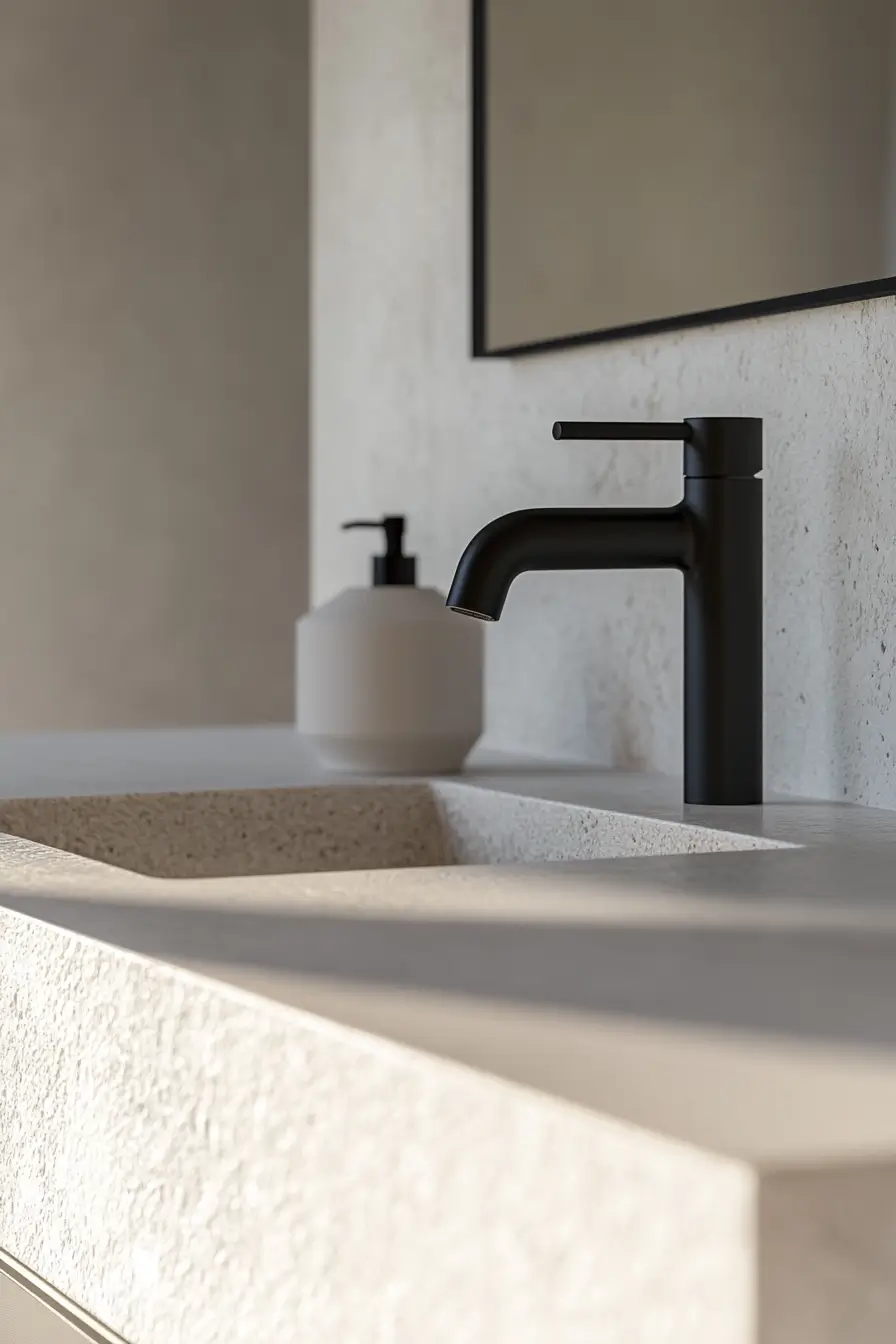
{"x":255,"y":832}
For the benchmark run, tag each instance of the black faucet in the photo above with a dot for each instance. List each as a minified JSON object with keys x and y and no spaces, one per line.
{"x":714,"y":536}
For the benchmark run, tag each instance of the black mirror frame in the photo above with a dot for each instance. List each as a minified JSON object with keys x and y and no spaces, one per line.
{"x":818,"y":298}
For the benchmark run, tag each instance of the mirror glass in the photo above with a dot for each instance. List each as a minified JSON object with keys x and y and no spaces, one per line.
{"x":641,"y":164}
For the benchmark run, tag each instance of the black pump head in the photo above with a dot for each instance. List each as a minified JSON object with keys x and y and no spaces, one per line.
{"x":394,"y":569}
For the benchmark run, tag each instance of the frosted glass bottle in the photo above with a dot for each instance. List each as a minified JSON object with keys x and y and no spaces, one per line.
{"x":389,"y":681}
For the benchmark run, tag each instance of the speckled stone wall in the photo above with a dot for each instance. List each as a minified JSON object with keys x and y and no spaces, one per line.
{"x":583,"y":664}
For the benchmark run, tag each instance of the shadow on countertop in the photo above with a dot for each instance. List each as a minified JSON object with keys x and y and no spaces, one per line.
{"x":799,"y":979}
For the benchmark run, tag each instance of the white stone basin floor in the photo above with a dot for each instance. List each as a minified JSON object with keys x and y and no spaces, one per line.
{"x":343,"y":827}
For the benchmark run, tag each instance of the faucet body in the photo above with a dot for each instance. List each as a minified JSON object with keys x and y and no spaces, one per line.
{"x":714,"y":536}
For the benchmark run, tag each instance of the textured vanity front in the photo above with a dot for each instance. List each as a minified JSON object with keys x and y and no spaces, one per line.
{"x":194,"y":1165}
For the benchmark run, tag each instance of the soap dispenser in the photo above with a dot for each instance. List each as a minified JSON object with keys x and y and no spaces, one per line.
{"x":388,"y":680}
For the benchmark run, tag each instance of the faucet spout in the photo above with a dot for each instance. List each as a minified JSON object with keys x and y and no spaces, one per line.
{"x":548,"y":539}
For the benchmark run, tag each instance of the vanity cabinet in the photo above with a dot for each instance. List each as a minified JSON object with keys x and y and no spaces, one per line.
{"x":29,"y":1318}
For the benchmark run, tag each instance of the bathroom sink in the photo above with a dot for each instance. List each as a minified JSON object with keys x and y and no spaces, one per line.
{"x":255,"y":832}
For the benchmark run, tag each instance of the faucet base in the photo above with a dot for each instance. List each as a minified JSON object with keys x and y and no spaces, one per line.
{"x":723,"y":642}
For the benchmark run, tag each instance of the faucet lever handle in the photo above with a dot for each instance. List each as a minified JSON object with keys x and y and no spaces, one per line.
{"x":676,"y":431}
{"x":717,"y":446}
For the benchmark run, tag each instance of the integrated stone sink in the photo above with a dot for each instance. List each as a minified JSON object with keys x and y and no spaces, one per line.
{"x":343,"y":827}
{"x":636,"y":1100}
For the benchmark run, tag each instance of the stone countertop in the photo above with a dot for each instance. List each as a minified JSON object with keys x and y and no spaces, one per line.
{"x":186,"y":1059}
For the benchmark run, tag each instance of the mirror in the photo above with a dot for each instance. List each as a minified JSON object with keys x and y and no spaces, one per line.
{"x":640,"y":165}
